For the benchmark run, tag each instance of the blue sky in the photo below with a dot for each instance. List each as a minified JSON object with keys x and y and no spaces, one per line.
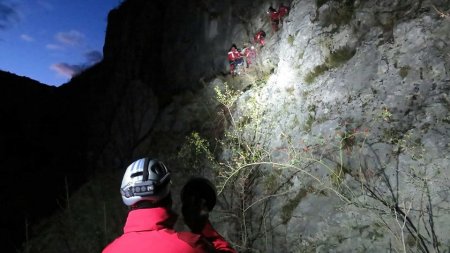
{"x":51,"y":40}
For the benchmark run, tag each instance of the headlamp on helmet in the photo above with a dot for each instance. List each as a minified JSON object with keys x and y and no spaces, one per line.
{"x":145,"y":180}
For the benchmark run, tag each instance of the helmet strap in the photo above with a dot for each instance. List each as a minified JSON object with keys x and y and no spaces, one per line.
{"x":144,"y":204}
{"x":165,"y":202}
{"x":145,"y":171}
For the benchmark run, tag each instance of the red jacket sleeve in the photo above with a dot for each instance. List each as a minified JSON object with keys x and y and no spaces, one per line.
{"x":219,"y":243}
{"x":230,"y":56}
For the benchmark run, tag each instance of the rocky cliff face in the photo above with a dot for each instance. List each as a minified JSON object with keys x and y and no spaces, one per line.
{"x":361,"y":107}
{"x":335,"y":140}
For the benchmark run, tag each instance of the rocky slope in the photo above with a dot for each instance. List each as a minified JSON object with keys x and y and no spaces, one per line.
{"x":337,"y":140}
{"x":350,"y":132}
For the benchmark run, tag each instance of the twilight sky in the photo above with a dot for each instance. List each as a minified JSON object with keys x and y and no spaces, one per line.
{"x":51,"y":40}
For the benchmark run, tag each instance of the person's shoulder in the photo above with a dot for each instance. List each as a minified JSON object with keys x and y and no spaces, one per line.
{"x":111,"y":247}
{"x":166,"y":240}
{"x":190,"y":238}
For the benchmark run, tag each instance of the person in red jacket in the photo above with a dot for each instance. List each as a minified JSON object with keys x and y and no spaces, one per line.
{"x":274,"y":17}
{"x":234,"y":58}
{"x":249,"y":53}
{"x":260,"y":37}
{"x":149,"y":226}
{"x":283,"y":11}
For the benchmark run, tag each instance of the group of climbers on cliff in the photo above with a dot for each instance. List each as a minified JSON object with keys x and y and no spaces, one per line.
{"x":236,"y":56}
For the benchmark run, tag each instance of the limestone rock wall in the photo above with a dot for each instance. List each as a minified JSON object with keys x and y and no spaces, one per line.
{"x":367,"y":96}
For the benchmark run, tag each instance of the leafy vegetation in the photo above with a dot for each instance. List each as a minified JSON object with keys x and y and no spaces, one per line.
{"x":334,"y":60}
{"x":404,"y":71}
{"x":244,"y":164}
{"x":290,"y":40}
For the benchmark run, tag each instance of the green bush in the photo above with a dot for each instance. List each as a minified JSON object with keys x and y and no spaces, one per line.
{"x":334,"y":60}
{"x":403,"y":72}
{"x":290,"y":40}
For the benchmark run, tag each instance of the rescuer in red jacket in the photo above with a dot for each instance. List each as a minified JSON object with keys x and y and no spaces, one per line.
{"x":234,"y":58}
{"x":283,"y":11}
{"x":260,"y":37}
{"x":145,"y":190}
{"x":249,"y":52}
{"x":276,"y":17}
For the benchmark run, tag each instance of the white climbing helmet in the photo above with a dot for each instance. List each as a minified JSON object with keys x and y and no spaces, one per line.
{"x":145,"y":179}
